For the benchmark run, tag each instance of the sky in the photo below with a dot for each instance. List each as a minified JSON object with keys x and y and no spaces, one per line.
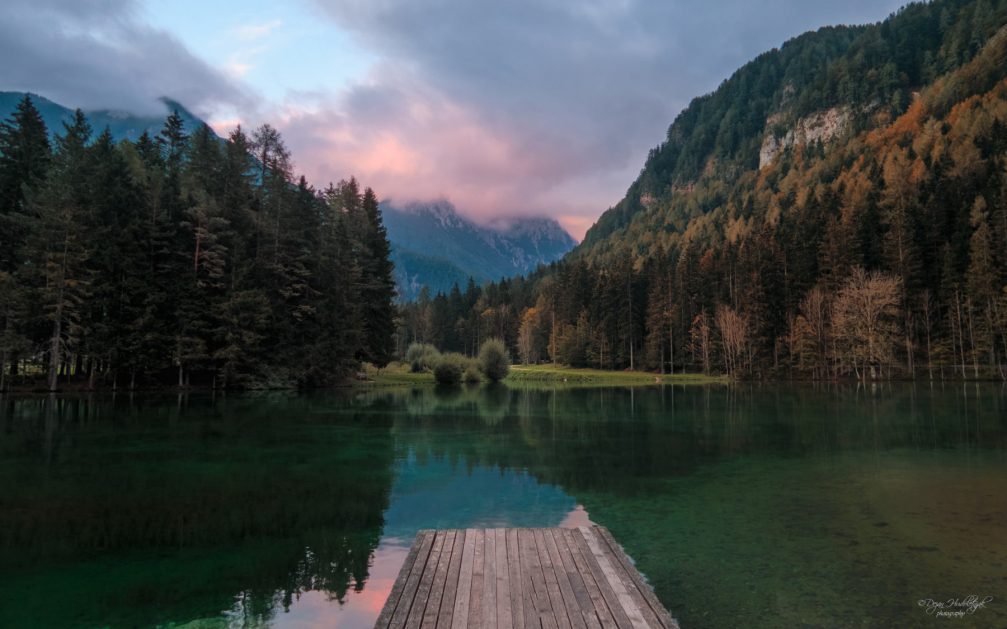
{"x":503,"y":107}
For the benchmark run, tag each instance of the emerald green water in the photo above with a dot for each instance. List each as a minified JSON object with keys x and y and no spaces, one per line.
{"x":757,"y":506}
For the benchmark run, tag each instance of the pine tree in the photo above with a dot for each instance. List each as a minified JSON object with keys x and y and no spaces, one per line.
{"x":378,"y":287}
{"x":117,"y":266}
{"x":25,"y":156}
{"x":24,"y":159}
{"x":56,"y":248}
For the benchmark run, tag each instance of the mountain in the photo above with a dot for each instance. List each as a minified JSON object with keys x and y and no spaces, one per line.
{"x":836,"y":208}
{"x":819,"y":90}
{"x":122,"y":125}
{"x":434,"y":246}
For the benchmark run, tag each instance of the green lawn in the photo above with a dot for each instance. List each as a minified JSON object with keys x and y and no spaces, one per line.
{"x":520,"y":374}
{"x":394,"y":374}
{"x":531,"y":375}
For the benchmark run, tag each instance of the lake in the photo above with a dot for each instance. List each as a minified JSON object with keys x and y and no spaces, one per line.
{"x":744,"y":505}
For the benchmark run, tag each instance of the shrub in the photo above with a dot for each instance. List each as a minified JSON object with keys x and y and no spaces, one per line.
{"x":471,"y":372}
{"x":449,"y":368}
{"x":494,"y":360}
{"x":422,"y":357}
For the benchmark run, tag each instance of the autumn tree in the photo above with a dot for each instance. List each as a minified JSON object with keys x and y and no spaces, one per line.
{"x":733,"y":329}
{"x":865,"y":321}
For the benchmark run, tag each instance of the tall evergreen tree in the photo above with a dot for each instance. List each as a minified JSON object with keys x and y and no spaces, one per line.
{"x":24,"y":160}
{"x":57,"y":249}
{"x":378,"y":286}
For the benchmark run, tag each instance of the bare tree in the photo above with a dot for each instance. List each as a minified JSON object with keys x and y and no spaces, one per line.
{"x":866,"y":320}
{"x":733,"y":329}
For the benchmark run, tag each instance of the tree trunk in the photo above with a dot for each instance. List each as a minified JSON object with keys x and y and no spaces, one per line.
{"x":910,"y":362}
{"x":552,"y":337}
{"x":961,"y":335}
{"x":630,"y":295}
{"x":671,"y":348}
{"x":57,"y":325}
{"x":57,"y":328}
{"x":972,"y":339}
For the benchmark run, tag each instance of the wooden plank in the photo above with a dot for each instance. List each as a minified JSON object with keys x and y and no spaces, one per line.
{"x":583,"y":606}
{"x":551,"y":582}
{"x":400,"y":583}
{"x":529,"y":600}
{"x":463,"y":596}
{"x":415,"y":617}
{"x":451,"y":582}
{"x":622,"y":620}
{"x":405,"y":602}
{"x":647,"y":592}
{"x":622,"y":576}
{"x":438,"y":581}
{"x":545,"y":617}
{"x":517,"y":580}
{"x":490,"y":568}
{"x":565,"y":588}
{"x":478,"y":573}
{"x":634,"y":613}
{"x":601,"y":609}
{"x":504,"y":615}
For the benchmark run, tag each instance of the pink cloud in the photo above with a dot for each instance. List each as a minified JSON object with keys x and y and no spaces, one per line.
{"x":414,"y":144}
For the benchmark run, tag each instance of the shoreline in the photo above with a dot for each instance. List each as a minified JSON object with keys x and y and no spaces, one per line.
{"x":521,"y":376}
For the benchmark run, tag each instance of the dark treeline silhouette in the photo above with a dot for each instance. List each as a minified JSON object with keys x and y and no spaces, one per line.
{"x":182,"y":259}
{"x":880,"y":253}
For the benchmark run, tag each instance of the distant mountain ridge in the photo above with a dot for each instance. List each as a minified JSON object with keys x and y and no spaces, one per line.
{"x":122,"y":125}
{"x":435,"y":246}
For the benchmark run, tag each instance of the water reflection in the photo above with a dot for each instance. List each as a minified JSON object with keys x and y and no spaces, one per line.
{"x":804,"y":503}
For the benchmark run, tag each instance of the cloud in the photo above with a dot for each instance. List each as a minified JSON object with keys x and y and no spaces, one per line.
{"x":531,"y":106}
{"x":252,"y":32}
{"x":506,"y":108}
{"x":98,"y":54}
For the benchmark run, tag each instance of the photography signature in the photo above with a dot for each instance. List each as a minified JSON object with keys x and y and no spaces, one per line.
{"x":954,"y":607}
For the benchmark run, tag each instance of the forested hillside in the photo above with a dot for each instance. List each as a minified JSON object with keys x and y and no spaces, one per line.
{"x":837,"y":207}
{"x":182,"y":259}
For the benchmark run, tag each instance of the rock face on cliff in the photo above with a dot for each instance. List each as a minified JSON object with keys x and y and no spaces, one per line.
{"x":820,"y":126}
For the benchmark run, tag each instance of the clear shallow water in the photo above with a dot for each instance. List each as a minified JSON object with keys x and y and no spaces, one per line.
{"x":764,"y":506}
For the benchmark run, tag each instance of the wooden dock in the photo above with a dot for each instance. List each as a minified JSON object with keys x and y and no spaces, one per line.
{"x":552,"y":578}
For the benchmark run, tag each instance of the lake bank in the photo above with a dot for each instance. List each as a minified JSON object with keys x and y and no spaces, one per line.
{"x":546,"y":375}
{"x":551,"y":375}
